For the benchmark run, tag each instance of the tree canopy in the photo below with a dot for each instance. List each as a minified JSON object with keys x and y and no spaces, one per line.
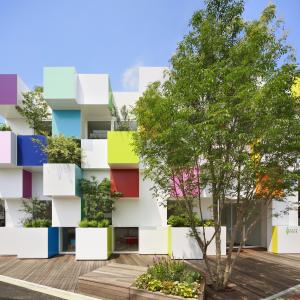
{"x":228,"y":111}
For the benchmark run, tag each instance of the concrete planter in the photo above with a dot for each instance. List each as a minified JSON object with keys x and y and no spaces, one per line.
{"x":139,"y":294}
{"x":153,"y":240}
{"x":182,"y":246}
{"x":9,"y":241}
{"x":285,"y":239}
{"x":93,"y":243}
{"x":37,"y":242}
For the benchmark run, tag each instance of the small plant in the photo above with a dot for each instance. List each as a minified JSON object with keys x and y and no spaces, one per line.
{"x":62,"y":149}
{"x":4,"y":127}
{"x":38,"y":213}
{"x":170,"y":277}
{"x":98,"y":200}
{"x":35,"y":109}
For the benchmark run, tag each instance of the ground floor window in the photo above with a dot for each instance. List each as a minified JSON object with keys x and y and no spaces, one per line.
{"x":67,"y":239}
{"x":126,"y":239}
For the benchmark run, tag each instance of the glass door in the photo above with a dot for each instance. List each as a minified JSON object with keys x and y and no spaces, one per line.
{"x":67,"y":240}
{"x":126,"y":239}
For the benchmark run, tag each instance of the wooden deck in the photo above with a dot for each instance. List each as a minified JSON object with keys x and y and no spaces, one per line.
{"x":258,"y":274}
{"x":111,"y":281}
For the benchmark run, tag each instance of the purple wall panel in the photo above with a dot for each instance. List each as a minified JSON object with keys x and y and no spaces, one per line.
{"x":27,"y":184}
{"x":8,"y":89}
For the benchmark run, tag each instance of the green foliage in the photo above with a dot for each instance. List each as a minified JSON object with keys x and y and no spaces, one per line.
{"x":170,"y":277}
{"x":5,"y":127}
{"x":228,"y":110}
{"x":38,"y":213}
{"x":37,"y":223}
{"x":183,"y":220}
{"x":93,"y":223}
{"x":98,"y":201}
{"x":62,"y":149}
{"x":35,"y":109}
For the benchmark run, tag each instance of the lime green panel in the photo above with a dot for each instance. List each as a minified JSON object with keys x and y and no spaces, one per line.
{"x":170,"y":241}
{"x":60,"y":83}
{"x":275,"y":239}
{"x":120,"y":148}
{"x":109,"y":241}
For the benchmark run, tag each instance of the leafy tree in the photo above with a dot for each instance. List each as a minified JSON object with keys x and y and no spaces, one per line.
{"x":35,"y":109}
{"x":226,"y":121}
{"x":62,"y":149}
{"x":38,"y":213}
{"x":98,"y":199}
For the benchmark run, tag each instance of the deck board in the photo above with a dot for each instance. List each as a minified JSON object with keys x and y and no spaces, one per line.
{"x":258,"y":274}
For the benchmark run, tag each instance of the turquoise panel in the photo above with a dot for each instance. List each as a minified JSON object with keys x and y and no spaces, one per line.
{"x":66,"y":122}
{"x":59,"y":83}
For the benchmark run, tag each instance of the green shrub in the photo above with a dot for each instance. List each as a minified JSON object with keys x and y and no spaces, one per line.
{"x":170,"y":277}
{"x":37,"y":223}
{"x":103,"y":223}
{"x":5,"y":127}
{"x":84,"y":223}
{"x":38,"y":213}
{"x":183,"y":221}
{"x":94,"y":223}
{"x":62,"y":149}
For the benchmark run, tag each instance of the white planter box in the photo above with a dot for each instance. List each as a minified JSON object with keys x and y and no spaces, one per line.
{"x":153,"y":240}
{"x":183,"y":246}
{"x":94,"y":154}
{"x":9,"y":241}
{"x":61,"y":180}
{"x":93,"y":243}
{"x":37,"y":242}
{"x":285,"y":239}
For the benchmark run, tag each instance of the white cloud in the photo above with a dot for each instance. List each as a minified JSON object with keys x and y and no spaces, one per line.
{"x":130,"y":77}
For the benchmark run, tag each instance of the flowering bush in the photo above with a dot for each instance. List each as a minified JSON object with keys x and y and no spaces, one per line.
{"x":170,"y":277}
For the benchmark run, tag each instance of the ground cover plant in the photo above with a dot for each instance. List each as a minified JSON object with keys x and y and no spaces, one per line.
{"x":171,"y":277}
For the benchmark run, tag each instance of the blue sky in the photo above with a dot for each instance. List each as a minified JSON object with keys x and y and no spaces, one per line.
{"x":105,"y":36}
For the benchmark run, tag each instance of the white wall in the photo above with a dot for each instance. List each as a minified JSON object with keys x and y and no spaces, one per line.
{"x":285,"y":212}
{"x":93,"y":88}
{"x":13,"y":213}
{"x":11,"y":183}
{"x":126,"y":98}
{"x":94,"y":154}
{"x":98,"y":174}
{"x":59,"y":180}
{"x":149,"y":75}
{"x":288,"y":238}
{"x":9,"y":238}
{"x":153,"y":240}
{"x":37,"y":186}
{"x":91,"y":243}
{"x":185,"y":247}
{"x":143,"y":211}
{"x":19,"y":126}
{"x":38,"y":245}
{"x":66,"y":212}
